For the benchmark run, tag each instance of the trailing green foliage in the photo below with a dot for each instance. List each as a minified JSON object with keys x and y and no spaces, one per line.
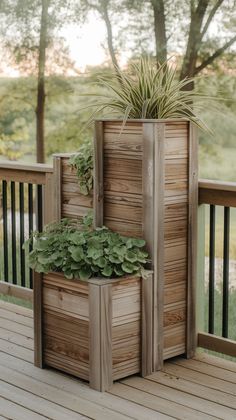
{"x":147,"y":92}
{"x":83,"y":163}
{"x":80,"y":252}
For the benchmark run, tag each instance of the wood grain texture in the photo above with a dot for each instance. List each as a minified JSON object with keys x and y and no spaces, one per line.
{"x":192,"y":242}
{"x":90,"y":329}
{"x":205,"y":389}
{"x":48,"y":196}
{"x":100,"y":348}
{"x":57,"y":188}
{"x":38,"y":320}
{"x":176,"y":236}
{"x":16,"y":291}
{"x":217,"y":196}
{"x":74,"y":204}
{"x":123,"y":177}
{"x":147,"y":325}
{"x":153,"y":227}
{"x":98,"y":174}
{"x":218,"y":344}
{"x":147,"y":188}
{"x":23,"y":175}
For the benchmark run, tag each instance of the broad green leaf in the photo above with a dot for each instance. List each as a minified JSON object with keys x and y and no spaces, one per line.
{"x":85,"y":273}
{"x":101,"y":262}
{"x":107,"y":271}
{"x":129,"y":267}
{"x":131,"y":256}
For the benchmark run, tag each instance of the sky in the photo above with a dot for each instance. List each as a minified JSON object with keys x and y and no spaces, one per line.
{"x":85,"y":43}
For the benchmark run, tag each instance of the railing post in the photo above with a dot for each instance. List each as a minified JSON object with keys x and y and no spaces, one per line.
{"x":200,"y":269}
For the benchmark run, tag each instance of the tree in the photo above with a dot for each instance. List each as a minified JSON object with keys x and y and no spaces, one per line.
{"x":33,"y":21}
{"x":41,"y":83}
{"x":193,"y":19}
{"x":103,"y":8}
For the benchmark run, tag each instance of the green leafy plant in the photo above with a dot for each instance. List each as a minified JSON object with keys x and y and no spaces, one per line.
{"x":83,"y":164}
{"x":147,"y":92}
{"x":81,"y":252}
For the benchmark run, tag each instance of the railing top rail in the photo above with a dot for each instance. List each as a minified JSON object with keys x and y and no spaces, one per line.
{"x":29,"y":173}
{"x":217,"y":192}
{"x":217,"y":185}
{"x":22,"y":166}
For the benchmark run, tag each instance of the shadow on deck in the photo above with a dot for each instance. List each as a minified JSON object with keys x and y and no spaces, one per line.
{"x":201,"y":388}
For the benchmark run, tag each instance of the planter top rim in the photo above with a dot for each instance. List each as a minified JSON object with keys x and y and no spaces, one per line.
{"x":143,"y":120}
{"x":102,"y":281}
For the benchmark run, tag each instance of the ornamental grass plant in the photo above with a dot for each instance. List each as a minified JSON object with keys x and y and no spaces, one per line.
{"x":147,"y":91}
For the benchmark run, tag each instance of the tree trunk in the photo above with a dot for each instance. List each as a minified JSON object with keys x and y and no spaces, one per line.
{"x":160,"y":30}
{"x":194,"y":40}
{"x":41,"y":84}
{"x":110,"y":42}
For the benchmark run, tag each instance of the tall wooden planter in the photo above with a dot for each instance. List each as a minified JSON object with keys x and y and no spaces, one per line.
{"x":99,"y":330}
{"x":146,"y":186}
{"x":68,"y":202}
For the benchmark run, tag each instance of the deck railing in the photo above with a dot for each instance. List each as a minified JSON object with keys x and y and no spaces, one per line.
{"x":22,"y":191}
{"x":218,"y":196}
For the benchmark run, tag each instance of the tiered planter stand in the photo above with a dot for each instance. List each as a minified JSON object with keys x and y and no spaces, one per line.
{"x":146,"y":186}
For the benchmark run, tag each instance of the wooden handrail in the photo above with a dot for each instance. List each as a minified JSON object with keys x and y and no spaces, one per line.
{"x":29,"y":173}
{"x":217,"y":192}
{"x":21,"y":166}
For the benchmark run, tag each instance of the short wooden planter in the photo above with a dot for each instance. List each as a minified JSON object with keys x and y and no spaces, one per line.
{"x":99,"y":330}
{"x":146,"y":185}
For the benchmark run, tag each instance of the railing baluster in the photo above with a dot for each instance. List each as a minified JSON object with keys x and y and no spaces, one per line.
{"x":30,"y":216}
{"x":13,"y":232}
{"x":5,"y":229}
{"x":225,"y":303}
{"x":211,"y":271}
{"x":22,"y":233}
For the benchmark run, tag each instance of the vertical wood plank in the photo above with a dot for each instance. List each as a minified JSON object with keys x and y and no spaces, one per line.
{"x":100,"y":340}
{"x":158,"y":262}
{"x":106,"y":337}
{"x":200,"y":269}
{"x":38,"y":319}
{"x":48,"y":209}
{"x":153,"y":225}
{"x":192,"y":242}
{"x":148,"y":188}
{"x":56,"y":201}
{"x":94,"y":336}
{"x":147,"y":324}
{"x":98,"y":174}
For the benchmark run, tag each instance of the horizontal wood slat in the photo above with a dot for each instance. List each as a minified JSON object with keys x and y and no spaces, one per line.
{"x":218,"y":344}
{"x":16,"y":291}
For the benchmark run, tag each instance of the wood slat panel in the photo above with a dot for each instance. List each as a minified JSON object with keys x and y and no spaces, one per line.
{"x":122,"y":168}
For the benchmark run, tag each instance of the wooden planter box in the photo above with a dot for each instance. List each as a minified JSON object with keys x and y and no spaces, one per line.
{"x":99,"y":330}
{"x":68,"y":201}
{"x":146,"y":185}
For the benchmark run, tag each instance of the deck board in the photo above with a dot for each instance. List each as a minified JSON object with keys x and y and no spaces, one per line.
{"x":204,"y":387}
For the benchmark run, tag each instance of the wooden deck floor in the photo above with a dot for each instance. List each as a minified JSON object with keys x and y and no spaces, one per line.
{"x":201,"y":388}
